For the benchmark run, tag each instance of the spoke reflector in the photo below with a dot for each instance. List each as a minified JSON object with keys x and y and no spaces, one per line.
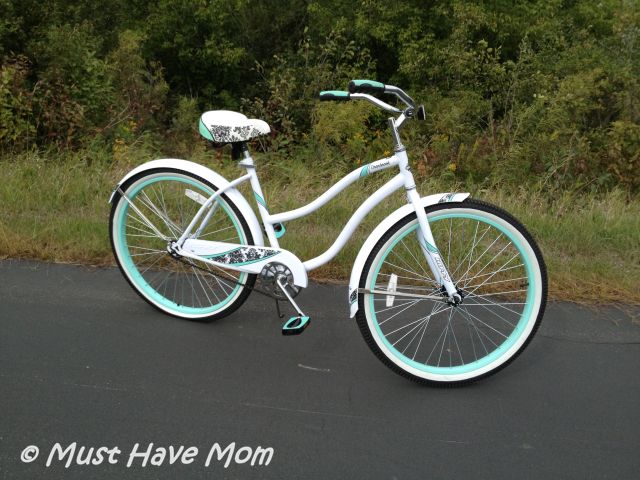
{"x":195,"y":196}
{"x":393,"y":283}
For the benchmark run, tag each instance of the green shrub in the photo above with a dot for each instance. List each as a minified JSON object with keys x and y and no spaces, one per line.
{"x":184,"y":140}
{"x":295,"y":81}
{"x":623,"y":153}
{"x":516,"y":91}
{"x":140,"y":92}
{"x":73,"y":92}
{"x":16,"y":123}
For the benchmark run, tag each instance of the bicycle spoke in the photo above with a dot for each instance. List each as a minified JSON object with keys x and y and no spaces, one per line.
{"x":497,"y":281}
{"x":504,"y":270}
{"x":497,"y":271}
{"x":492,"y":311}
{"x":484,"y":263}
{"x":469,"y":255}
{"x":146,"y":201}
{"x":421,"y":264}
{"x":484,"y":323}
{"x":462,"y":277}
{"x":187,"y":285}
{"x":398,"y":313}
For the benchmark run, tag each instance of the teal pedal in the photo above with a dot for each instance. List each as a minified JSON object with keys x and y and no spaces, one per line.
{"x":295,"y":325}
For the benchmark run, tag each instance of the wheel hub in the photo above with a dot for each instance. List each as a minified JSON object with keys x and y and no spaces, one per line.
{"x":172,"y":248}
{"x":456,"y":299}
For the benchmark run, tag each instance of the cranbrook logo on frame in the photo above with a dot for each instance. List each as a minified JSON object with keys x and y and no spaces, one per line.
{"x":151,"y":456}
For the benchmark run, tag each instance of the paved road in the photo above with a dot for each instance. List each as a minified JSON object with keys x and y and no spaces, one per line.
{"x":83,"y":359}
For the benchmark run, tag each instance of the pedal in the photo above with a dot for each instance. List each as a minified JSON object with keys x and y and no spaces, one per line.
{"x":295,"y":325}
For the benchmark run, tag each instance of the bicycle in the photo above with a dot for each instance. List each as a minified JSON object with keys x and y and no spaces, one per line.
{"x":445,"y":290}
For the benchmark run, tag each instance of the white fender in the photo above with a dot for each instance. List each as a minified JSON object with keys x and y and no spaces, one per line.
{"x":214,"y":178}
{"x":380,"y":230}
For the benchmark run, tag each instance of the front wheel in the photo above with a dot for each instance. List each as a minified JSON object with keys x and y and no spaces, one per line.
{"x":499,"y":272}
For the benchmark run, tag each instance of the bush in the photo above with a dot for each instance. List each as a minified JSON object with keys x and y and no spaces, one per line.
{"x":17,"y":130}
{"x":184,"y":140}
{"x":73,"y":92}
{"x":141,"y":92}
{"x":295,"y":81}
{"x":515,"y":91}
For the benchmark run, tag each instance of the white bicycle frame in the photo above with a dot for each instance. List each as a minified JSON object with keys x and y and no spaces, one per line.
{"x":403,"y":179}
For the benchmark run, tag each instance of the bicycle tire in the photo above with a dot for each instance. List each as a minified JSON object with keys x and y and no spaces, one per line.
{"x":384,"y":343}
{"x":216,"y":297}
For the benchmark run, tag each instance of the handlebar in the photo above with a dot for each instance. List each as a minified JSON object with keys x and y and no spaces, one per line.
{"x":372,"y":86}
{"x":360,"y":89}
{"x":341,"y":96}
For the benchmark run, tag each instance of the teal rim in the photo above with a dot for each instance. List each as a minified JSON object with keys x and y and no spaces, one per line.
{"x":139,"y":280}
{"x":498,"y":352}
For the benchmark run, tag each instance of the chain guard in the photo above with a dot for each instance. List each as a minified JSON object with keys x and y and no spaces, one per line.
{"x":270,"y":274}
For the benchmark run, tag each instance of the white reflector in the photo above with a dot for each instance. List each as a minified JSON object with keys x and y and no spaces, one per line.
{"x":393,"y":283}
{"x":195,"y":196}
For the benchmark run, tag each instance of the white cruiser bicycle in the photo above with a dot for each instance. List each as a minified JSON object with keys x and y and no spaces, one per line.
{"x":445,"y":289}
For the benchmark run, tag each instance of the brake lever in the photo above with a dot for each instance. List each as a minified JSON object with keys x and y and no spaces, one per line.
{"x":401,"y":94}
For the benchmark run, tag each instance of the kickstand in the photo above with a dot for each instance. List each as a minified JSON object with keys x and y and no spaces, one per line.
{"x":280,"y":314}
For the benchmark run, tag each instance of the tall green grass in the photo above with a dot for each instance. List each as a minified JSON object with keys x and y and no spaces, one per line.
{"x":54,"y":207}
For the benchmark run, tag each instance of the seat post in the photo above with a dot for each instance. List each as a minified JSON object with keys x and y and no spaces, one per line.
{"x":239,"y":150}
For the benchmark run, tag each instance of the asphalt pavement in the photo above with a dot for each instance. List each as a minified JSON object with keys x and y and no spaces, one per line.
{"x":90,"y":372}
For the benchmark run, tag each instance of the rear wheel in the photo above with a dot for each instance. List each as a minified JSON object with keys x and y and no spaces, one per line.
{"x":499,"y":272}
{"x":182,"y":287}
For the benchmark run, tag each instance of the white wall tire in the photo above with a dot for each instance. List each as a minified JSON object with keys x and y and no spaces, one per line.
{"x":399,"y":338}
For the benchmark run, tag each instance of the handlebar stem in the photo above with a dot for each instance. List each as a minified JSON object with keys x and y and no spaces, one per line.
{"x":397,"y":143}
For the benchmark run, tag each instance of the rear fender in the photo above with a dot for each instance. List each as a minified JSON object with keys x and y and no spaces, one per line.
{"x":214,"y":178}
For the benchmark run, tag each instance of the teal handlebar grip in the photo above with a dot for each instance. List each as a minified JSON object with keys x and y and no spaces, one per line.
{"x":334,"y":96}
{"x":366,"y":86}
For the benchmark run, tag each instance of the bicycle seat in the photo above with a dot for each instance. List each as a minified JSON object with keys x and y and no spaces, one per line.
{"x":225,"y":126}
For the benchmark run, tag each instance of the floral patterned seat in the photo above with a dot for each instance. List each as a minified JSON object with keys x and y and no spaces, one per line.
{"x":225,"y":126}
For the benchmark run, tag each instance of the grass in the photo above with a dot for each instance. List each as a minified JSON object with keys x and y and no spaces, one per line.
{"x":54,"y":207}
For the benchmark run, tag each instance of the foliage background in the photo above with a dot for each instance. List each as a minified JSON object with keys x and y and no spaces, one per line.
{"x":513,"y":88}
{"x":534,"y":104}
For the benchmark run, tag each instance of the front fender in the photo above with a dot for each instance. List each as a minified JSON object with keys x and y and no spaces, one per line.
{"x":380,"y":230}
{"x":214,"y":178}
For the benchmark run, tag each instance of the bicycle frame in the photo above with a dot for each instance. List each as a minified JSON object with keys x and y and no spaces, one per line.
{"x":369,"y":204}
{"x":403,"y":178}
{"x":207,"y":270}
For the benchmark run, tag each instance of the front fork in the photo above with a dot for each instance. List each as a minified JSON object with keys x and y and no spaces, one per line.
{"x":425,"y":237}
